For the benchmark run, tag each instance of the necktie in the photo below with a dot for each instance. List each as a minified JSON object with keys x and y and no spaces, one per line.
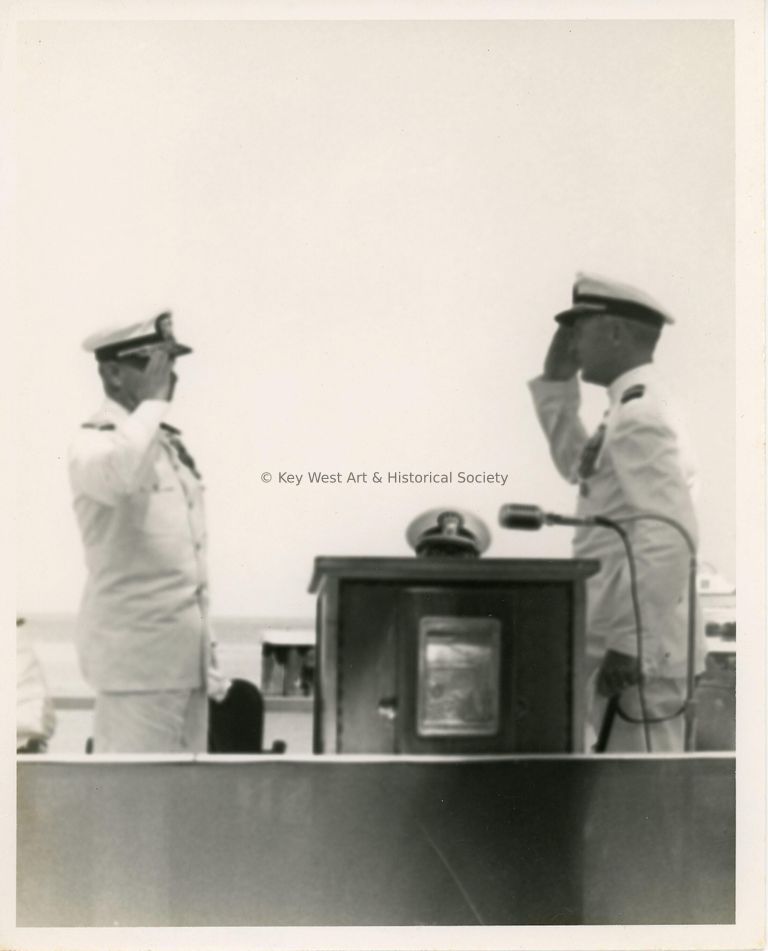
{"x":590,"y":453}
{"x":174,"y":437}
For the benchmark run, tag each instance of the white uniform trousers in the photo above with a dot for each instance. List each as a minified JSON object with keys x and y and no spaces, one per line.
{"x":663,"y":696}
{"x":163,"y":721}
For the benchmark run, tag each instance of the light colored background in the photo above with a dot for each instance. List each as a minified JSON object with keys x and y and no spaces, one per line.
{"x":586,"y":184}
{"x":364,"y":229}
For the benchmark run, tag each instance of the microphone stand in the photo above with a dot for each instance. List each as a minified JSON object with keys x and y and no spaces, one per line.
{"x":532,"y":517}
{"x":690,"y":674}
{"x":600,"y":521}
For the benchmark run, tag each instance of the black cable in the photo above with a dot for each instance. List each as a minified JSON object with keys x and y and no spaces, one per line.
{"x":670,"y":716}
{"x":691,"y":614}
{"x":645,"y":720}
{"x":531,"y":517}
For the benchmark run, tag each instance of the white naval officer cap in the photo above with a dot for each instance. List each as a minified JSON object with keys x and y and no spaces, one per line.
{"x":136,"y":340}
{"x":453,"y":529}
{"x":598,"y":295}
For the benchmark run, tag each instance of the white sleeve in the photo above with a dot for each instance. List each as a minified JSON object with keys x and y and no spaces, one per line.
{"x":104,"y":464}
{"x":557,"y":404}
{"x":35,"y":716}
{"x":646,"y":456}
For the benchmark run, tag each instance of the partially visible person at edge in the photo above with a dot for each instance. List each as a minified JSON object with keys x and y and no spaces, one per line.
{"x":35,"y":716}
{"x":144,"y":637}
{"x":637,"y":461}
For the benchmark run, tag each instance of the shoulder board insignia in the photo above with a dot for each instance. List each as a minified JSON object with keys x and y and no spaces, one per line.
{"x":103,"y":427}
{"x":633,"y":393}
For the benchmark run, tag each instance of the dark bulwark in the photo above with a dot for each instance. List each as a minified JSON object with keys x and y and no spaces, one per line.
{"x":337,"y":841}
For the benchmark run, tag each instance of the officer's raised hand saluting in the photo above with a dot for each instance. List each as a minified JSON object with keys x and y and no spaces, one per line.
{"x":561,"y":362}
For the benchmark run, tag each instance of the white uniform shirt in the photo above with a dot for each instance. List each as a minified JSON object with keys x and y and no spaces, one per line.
{"x":643,"y":466}
{"x":143,"y":622}
{"x":35,"y":716}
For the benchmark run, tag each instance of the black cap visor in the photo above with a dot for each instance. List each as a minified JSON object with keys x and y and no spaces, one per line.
{"x":141,"y":348}
{"x":616,"y":308}
{"x":569,"y":317}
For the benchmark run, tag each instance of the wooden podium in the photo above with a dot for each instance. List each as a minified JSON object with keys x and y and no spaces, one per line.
{"x":449,"y":655}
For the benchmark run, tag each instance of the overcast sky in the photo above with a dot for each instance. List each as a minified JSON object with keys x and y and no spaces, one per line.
{"x":364,"y":230}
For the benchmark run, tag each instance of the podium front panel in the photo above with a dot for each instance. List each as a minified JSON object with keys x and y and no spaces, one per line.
{"x":468,"y":662}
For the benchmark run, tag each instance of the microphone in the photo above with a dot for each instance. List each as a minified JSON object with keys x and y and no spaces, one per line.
{"x":530,"y":518}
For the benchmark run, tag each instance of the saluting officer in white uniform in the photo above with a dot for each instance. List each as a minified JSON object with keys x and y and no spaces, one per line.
{"x":143,"y":630}
{"x":637,"y":461}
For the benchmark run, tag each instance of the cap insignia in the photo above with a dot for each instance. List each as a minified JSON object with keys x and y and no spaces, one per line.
{"x":164,"y":326}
